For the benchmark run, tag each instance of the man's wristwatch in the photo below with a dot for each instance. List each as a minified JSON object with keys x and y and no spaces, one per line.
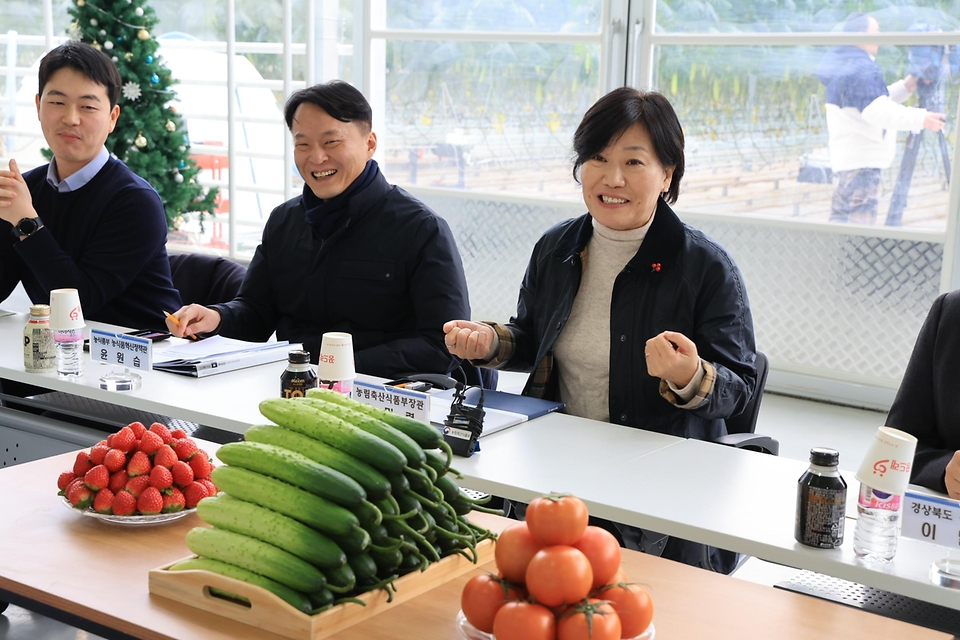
{"x":27,"y":227}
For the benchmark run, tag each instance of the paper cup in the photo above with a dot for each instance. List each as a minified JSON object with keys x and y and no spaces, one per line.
{"x":336,"y":357}
{"x":888,"y":462}
{"x":65,"y":311}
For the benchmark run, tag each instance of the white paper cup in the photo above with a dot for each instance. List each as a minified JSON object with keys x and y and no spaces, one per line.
{"x":336,"y":357}
{"x":65,"y":311}
{"x":888,"y":462}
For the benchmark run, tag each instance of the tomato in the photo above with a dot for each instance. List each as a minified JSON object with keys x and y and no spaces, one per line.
{"x":619,"y":576}
{"x":593,"y":621}
{"x":634,"y":606}
{"x":603,"y":551}
{"x":482,"y":597}
{"x":557,"y":519}
{"x":558,"y":575}
{"x":524,"y":621}
{"x":515,"y":547}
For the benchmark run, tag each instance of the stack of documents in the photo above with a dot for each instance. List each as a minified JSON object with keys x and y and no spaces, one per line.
{"x":217,"y":355}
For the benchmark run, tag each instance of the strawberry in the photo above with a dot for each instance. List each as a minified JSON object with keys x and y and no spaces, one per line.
{"x":150,"y":443}
{"x":97,"y":478}
{"x":103,"y":503}
{"x":174,"y":501}
{"x":125,"y":440}
{"x":138,"y":429}
{"x":79,"y":495}
{"x":178,"y":434}
{"x":150,"y":502}
{"x":124,"y":504}
{"x":162,"y":431}
{"x":115,"y":460}
{"x":98,"y":452}
{"x":194,"y":493}
{"x":182,"y":473}
{"x":82,"y":464}
{"x":165,"y":457}
{"x":111,"y":439}
{"x":136,"y":486}
{"x":185,"y":448}
{"x":118,"y":480}
{"x":160,"y":478}
{"x":201,"y":465}
{"x":211,"y":488}
{"x":139,"y":464}
{"x":67,"y":477}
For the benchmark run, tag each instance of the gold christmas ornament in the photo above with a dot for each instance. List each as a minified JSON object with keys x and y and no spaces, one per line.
{"x":170,"y":126}
{"x":96,"y":45}
{"x":128,"y":55}
{"x":143,"y":34}
{"x":80,"y":3}
{"x":141,"y":142}
{"x":178,"y":222}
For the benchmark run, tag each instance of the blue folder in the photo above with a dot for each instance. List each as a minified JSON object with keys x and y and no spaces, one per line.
{"x":524,"y":405}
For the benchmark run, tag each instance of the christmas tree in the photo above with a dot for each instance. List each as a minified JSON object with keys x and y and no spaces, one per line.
{"x":150,"y":137}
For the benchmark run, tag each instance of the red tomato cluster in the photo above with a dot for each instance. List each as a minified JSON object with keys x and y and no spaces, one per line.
{"x":560,"y":579}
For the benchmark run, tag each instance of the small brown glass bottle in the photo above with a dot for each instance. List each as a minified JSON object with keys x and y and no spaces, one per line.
{"x":821,"y":502}
{"x":299,"y":375}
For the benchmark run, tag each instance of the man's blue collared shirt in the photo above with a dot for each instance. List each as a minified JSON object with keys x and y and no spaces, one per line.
{"x":81,"y":177}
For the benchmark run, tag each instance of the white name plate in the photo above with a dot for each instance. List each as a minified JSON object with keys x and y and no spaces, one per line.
{"x":413,"y":404}
{"x":120,"y":349}
{"x":931,"y":519}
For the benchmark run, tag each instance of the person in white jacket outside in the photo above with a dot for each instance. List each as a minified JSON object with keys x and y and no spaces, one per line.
{"x":863,"y":117}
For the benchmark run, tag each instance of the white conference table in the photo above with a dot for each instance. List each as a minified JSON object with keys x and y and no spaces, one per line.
{"x":738,"y":500}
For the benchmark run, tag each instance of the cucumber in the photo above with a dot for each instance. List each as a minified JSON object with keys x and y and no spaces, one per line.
{"x":398,"y":483}
{"x":426,"y":436}
{"x":449,"y":488}
{"x":364,"y":568}
{"x":257,"y":556}
{"x":294,"y":468}
{"x":388,"y":561}
{"x":407,"y":446}
{"x":356,"y":542}
{"x":295,"y":598}
{"x":250,"y":486}
{"x":341,"y":579}
{"x":373,"y":482}
{"x":437,"y":460}
{"x":340,"y":434}
{"x":322,"y":599}
{"x":269,"y":526}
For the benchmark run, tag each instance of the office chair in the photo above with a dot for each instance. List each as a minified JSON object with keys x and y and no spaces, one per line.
{"x":741,"y":428}
{"x":205,"y":279}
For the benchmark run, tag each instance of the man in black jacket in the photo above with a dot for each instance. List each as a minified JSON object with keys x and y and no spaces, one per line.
{"x":928,"y":402}
{"x":352,"y":253}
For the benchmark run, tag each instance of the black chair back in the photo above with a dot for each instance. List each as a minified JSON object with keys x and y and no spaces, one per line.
{"x":204,"y":279}
{"x":746,"y":422}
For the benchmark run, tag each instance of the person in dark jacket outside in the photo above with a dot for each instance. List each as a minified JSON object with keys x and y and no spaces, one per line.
{"x":352,"y":253}
{"x":85,"y":221}
{"x":863,"y":117}
{"x":928,"y":401}
{"x":626,"y":314}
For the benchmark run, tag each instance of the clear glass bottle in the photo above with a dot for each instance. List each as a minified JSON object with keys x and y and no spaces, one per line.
{"x":821,"y":501}
{"x":878,"y":525}
{"x":69,"y":352}
{"x":299,"y":375}
{"x":39,"y":350}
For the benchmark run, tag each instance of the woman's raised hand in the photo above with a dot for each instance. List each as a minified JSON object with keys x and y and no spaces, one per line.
{"x":470,"y":340}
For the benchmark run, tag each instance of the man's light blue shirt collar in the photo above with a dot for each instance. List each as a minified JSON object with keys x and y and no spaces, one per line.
{"x":81,"y":177}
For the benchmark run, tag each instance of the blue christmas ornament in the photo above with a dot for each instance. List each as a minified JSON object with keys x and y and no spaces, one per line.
{"x":154,"y":78}
{"x":119,"y":38}
{"x":182,"y":164}
{"x":149,"y":59}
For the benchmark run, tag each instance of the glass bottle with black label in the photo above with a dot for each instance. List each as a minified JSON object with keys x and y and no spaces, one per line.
{"x":821,"y":501}
{"x":299,"y":375}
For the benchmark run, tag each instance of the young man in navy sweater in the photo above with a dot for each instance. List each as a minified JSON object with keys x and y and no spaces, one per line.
{"x":84,"y":220}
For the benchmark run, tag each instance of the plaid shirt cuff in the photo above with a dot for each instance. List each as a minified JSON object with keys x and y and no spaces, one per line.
{"x":505,"y":346}
{"x":706,"y":388}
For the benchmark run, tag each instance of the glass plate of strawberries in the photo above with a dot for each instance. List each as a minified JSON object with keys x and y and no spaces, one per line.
{"x":139,"y":475}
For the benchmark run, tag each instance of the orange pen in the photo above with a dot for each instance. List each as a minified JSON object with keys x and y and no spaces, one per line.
{"x":177,"y":322}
